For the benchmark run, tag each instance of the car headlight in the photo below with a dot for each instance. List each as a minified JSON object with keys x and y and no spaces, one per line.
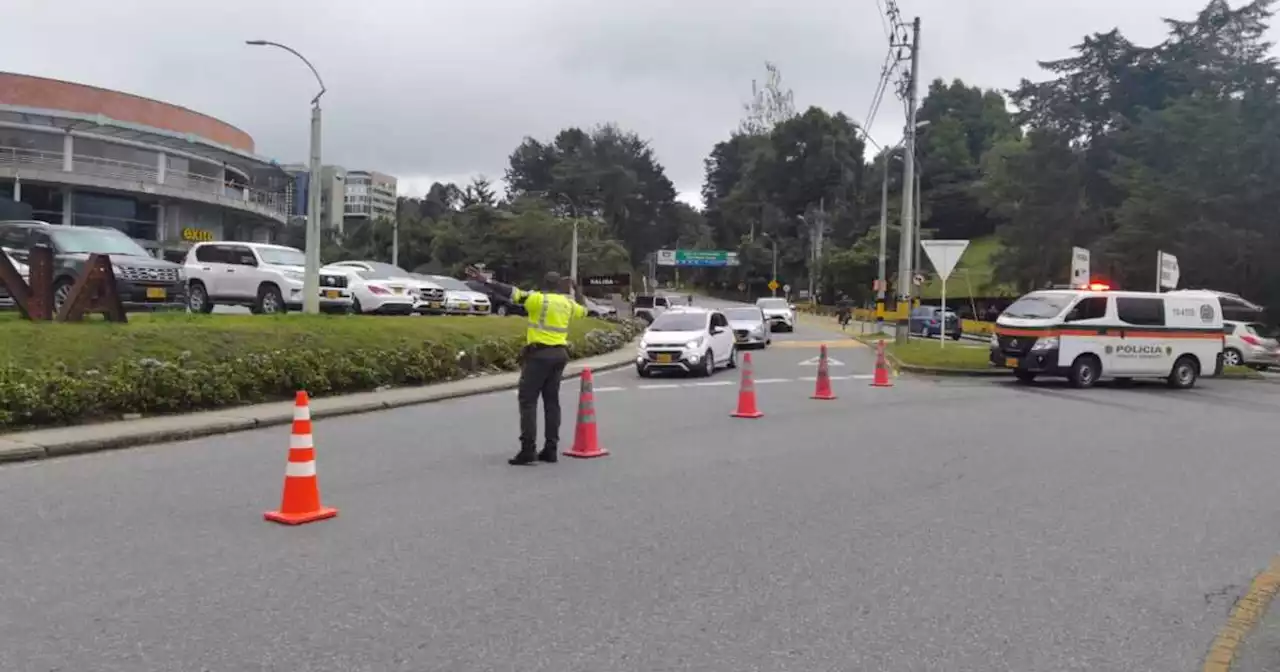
{"x":182,"y":275}
{"x":695,"y":344}
{"x":995,"y":342}
{"x":294,"y":275}
{"x":1047,"y":343}
{"x":117,"y":269}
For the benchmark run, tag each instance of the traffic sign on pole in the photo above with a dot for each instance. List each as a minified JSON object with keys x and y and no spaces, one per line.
{"x":944,"y":254}
{"x":786,"y":288}
{"x":697,"y":258}
{"x":773,"y":285}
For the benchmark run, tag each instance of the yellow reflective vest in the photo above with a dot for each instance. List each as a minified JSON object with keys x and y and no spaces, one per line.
{"x":549,"y":316}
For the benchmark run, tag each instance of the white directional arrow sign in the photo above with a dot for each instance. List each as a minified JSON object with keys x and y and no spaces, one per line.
{"x":814,"y":362}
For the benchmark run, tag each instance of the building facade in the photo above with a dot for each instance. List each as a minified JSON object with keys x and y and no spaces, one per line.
{"x":162,"y":174}
{"x":333,"y":180}
{"x":370,"y":196}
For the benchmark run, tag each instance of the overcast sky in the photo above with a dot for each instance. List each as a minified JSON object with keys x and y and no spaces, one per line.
{"x":444,"y":90}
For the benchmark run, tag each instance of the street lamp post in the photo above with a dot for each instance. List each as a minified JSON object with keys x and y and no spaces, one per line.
{"x":311,"y":275}
{"x":774,"y":243}
{"x":573,"y":250}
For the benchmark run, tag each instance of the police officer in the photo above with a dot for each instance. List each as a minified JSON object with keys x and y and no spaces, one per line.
{"x":543,"y":359}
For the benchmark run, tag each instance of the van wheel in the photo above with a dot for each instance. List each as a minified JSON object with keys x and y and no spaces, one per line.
{"x":1025,"y":376}
{"x":198,"y":298}
{"x":1184,"y":373}
{"x":1232,"y":357}
{"x":1085,"y":371}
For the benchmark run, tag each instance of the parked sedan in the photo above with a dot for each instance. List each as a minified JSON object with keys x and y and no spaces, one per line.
{"x":499,"y":305}
{"x":459,"y":299}
{"x":1248,"y":344}
{"x":750,"y":328}
{"x":928,"y":322}
{"x":429,"y":293}
{"x":602,"y":310}
{"x":379,"y":292}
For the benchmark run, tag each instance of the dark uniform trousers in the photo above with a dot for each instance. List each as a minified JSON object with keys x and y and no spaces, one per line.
{"x":540,"y":375}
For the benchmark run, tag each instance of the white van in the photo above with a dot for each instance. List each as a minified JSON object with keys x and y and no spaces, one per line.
{"x":1085,"y":334}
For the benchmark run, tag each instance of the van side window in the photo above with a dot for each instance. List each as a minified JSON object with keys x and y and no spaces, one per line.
{"x":1090,"y":308}
{"x":1141,"y":311}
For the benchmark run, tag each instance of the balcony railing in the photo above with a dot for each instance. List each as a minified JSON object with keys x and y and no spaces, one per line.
{"x":273,"y":203}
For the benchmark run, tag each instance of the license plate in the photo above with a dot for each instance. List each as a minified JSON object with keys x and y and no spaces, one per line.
{"x":1011,"y":362}
{"x":156,"y":293}
{"x":664,"y":359}
{"x":398,"y":290}
{"x":434,"y":304}
{"x":463,"y":306}
{"x":330,"y":294}
{"x":740,"y":339}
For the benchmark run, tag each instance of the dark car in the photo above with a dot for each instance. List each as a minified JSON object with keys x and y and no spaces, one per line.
{"x":501,"y":305}
{"x":927,"y":321}
{"x":143,"y":282}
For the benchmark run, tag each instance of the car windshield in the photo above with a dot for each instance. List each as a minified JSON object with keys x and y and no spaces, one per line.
{"x":773,"y":304}
{"x":744,"y":314}
{"x":679,"y":322}
{"x":644,"y":302}
{"x":1038,"y":306}
{"x":282,"y":256}
{"x":74,"y":240}
{"x":449,"y":283}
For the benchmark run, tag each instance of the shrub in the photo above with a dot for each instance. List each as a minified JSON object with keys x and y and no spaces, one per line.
{"x":57,"y":374}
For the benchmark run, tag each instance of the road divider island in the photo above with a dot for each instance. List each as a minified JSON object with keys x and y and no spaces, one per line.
{"x":164,"y":363}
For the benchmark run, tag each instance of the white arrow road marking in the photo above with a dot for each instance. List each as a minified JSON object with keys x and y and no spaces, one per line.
{"x":814,"y":362}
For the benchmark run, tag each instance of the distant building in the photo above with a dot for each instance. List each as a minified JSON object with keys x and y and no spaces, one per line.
{"x":163,"y":174}
{"x":369,"y":196}
{"x":332,"y":194}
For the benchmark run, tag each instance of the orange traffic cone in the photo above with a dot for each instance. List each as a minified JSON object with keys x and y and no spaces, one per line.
{"x":301,"y":501}
{"x":882,"y":368}
{"x":747,"y":392}
{"x":823,"y":388}
{"x":585,"y":442}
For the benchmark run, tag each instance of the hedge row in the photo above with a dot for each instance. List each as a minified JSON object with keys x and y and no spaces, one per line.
{"x":58,"y":374}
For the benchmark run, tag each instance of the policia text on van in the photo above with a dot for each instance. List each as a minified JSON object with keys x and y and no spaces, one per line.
{"x":1086,"y":334}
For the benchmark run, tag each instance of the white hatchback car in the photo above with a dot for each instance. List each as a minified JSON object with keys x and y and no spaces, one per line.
{"x":1246,"y":344}
{"x":687,"y":340}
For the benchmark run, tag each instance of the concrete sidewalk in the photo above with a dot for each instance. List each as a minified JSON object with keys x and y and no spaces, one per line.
{"x":42,"y":443}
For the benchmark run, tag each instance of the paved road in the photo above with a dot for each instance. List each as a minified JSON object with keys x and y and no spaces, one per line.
{"x":946,"y":525}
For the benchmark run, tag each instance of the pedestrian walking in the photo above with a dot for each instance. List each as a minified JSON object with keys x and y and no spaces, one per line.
{"x":543,"y":359}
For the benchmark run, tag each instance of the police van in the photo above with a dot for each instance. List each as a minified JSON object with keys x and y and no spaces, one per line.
{"x":1086,"y":334}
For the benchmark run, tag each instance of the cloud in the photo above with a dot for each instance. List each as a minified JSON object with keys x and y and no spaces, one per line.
{"x":435,"y":88}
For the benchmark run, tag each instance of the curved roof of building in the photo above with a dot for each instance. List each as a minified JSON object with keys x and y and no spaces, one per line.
{"x":54,"y":94}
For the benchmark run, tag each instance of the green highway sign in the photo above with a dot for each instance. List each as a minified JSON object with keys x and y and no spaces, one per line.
{"x":696,"y":258}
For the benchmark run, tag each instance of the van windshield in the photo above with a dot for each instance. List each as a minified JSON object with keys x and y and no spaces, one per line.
{"x":1038,"y":306}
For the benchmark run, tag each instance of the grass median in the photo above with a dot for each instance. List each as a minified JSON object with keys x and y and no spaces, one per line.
{"x":54,"y":374}
{"x":932,"y":354}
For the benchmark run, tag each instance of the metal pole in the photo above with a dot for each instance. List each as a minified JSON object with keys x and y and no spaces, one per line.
{"x":775,"y":265}
{"x":311,"y":273}
{"x":908,"y":189}
{"x":573,"y":260}
{"x":1159,"y":269}
{"x":884,"y":234}
{"x":395,"y":240}
{"x":915,"y":264}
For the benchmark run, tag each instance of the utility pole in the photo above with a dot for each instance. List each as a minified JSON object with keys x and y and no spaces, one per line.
{"x":884,"y":233}
{"x":395,"y":240}
{"x":908,"y":189}
{"x":915,"y":264}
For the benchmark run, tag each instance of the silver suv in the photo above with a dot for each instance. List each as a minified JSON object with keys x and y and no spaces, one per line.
{"x":266,"y":278}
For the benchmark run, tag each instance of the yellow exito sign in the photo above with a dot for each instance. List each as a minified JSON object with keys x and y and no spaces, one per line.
{"x":197,"y":235}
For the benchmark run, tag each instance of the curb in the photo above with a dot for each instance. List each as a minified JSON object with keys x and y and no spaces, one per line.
{"x":900,"y":367}
{"x":24,"y":446}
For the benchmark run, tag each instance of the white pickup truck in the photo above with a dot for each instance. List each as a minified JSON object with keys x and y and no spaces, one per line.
{"x":648,"y":306}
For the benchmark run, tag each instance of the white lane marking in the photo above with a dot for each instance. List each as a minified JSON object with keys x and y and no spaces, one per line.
{"x":813,"y":361}
{"x":858,"y":376}
{"x":658,"y":387}
{"x":765,"y":381}
{"x":609,"y":389}
{"x":714,"y":383}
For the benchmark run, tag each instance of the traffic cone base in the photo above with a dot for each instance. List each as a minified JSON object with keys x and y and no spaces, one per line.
{"x":822,"y":389}
{"x":586,"y":441}
{"x":301,"y":500}
{"x":747,"y":392}
{"x":300,"y":518}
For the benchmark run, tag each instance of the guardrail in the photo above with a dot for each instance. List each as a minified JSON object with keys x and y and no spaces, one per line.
{"x":134,"y":172}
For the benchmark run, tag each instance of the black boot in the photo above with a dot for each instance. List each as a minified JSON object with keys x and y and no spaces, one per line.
{"x":525,"y":456}
{"x":550,"y":454}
